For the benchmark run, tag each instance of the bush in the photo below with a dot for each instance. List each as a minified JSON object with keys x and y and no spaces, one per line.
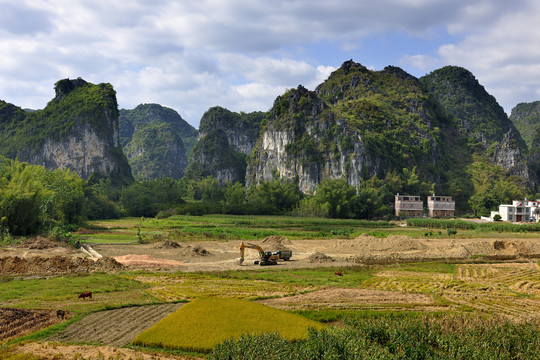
{"x":63,"y":233}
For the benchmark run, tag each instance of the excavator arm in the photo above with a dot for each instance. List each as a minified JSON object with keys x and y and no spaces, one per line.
{"x":249,"y":246}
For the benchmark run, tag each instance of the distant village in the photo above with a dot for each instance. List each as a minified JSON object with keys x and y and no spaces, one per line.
{"x":444,"y":207}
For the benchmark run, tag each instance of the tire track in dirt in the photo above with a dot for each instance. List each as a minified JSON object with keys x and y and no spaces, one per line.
{"x":115,"y":327}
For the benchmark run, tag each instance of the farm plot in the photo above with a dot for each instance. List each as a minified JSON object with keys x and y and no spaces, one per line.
{"x":177,"y":287}
{"x":508,"y":289}
{"x":19,"y":322}
{"x":115,"y":327}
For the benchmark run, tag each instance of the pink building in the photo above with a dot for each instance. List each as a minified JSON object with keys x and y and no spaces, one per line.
{"x":441,"y":206}
{"x":409,"y":206}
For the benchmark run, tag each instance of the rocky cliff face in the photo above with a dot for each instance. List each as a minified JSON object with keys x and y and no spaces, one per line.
{"x":242,"y":130}
{"x":349,"y":127}
{"x":225,"y":140}
{"x":214,"y":156}
{"x":80,"y":133}
{"x":156,"y":141}
{"x":507,"y":154}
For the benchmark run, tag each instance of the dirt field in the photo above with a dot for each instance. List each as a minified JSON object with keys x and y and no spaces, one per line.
{"x":216,"y":255}
{"x":18,"y":322}
{"x":91,"y":352}
{"x":115,"y":327}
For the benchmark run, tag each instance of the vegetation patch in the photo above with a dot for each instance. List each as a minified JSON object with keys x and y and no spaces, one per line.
{"x":205,"y":322}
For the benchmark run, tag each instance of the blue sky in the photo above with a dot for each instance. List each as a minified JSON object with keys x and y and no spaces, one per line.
{"x":191,"y":55}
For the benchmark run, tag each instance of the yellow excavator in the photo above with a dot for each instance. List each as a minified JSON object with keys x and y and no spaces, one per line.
{"x":266,"y":257}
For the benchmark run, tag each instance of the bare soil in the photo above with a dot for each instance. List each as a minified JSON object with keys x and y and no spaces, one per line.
{"x":216,"y":255}
{"x":48,"y":350}
{"x":19,"y":322}
{"x":223,"y":255}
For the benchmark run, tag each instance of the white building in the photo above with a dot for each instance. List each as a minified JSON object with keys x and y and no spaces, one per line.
{"x":535,"y":210}
{"x":519,"y":211}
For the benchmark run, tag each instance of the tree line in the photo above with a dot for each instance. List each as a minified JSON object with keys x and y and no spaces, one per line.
{"x":34,"y":200}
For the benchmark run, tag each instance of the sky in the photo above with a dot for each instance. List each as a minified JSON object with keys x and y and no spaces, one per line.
{"x":241,"y":55}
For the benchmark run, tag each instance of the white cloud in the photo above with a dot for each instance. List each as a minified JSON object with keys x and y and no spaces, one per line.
{"x":504,"y":57}
{"x":191,"y":55}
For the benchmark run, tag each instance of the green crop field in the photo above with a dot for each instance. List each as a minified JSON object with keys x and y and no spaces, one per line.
{"x":247,"y":227}
{"x":205,"y":322}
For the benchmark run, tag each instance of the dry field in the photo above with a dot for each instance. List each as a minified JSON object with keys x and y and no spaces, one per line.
{"x":18,"y":322}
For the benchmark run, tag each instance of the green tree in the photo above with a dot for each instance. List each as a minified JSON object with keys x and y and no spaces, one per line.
{"x":235,"y":194}
{"x":338,"y":197}
{"x":279,"y":195}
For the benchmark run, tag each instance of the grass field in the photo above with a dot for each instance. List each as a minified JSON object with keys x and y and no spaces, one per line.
{"x":227,"y":227}
{"x":205,"y":322}
{"x":108,"y":291}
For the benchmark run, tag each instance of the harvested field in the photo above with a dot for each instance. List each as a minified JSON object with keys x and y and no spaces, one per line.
{"x":188,"y":287}
{"x":115,"y":327}
{"x":352,"y":299}
{"x":19,"y":322}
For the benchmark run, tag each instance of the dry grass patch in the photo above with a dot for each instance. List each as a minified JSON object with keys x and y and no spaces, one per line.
{"x":178,"y":287}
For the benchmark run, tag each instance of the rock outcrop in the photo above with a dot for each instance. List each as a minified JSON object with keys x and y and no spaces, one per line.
{"x":78,"y":130}
{"x":348,"y":128}
{"x":156,"y":141}
{"x":226,"y":139}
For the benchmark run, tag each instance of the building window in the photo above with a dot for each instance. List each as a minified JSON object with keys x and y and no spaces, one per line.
{"x":510,"y":217}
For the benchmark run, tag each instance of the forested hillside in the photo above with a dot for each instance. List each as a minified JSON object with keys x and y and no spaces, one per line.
{"x":156,"y":141}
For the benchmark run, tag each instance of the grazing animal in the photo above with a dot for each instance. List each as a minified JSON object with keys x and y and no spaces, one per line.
{"x":338,"y":273}
{"x":60,"y":314}
{"x":84,"y":295}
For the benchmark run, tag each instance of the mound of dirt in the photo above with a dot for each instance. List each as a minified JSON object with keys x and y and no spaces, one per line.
{"x":319,"y":257}
{"x":39,"y":265}
{"x":276,"y":242}
{"x":195,"y":250}
{"x":167,"y":244}
{"x":394,"y":243}
{"x":40,"y":243}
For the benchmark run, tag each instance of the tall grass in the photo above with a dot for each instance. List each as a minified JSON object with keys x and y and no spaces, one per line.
{"x":468,"y":225}
{"x":442,"y":337}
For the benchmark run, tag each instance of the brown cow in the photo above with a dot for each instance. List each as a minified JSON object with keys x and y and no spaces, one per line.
{"x":84,"y":295}
{"x":338,"y":273}
{"x":60,"y":314}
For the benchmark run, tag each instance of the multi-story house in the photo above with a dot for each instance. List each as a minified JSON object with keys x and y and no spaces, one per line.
{"x":409,"y":206}
{"x":441,"y":206}
{"x":535,"y":210}
{"x":519,"y":211}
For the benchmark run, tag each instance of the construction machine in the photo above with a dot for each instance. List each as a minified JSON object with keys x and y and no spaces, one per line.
{"x":266,"y":257}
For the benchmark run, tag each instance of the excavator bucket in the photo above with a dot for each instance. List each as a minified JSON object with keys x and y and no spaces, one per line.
{"x":240,"y":260}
